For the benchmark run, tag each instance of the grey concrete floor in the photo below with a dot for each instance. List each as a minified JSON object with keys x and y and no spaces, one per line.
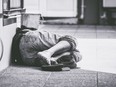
{"x":23,"y":76}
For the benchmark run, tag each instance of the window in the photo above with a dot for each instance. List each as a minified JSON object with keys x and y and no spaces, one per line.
{"x":12,"y":7}
{"x":14,"y":4}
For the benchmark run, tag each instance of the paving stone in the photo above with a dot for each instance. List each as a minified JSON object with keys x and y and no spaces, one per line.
{"x":106,"y":80}
{"x":72,"y":79}
{"x":23,"y":77}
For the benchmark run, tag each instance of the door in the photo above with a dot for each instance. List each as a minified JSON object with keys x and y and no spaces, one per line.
{"x":58,"y":8}
{"x":91,"y":12}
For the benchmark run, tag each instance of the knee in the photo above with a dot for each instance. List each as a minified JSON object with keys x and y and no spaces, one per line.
{"x":77,"y":56}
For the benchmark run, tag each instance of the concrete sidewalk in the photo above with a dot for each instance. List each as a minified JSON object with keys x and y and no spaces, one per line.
{"x":24,"y":76}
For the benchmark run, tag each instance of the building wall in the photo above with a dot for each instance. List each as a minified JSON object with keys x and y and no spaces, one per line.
{"x":6,"y":35}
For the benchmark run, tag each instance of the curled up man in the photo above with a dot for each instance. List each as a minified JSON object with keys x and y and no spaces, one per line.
{"x":36,"y":48}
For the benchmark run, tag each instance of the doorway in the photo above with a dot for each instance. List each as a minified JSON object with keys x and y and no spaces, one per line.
{"x":91,"y":12}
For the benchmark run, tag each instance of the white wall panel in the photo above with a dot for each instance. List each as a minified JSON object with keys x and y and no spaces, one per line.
{"x":6,"y":35}
{"x":32,"y":6}
{"x":109,"y":3}
{"x":0,"y":6}
{"x":59,"y":8}
{"x":59,"y":5}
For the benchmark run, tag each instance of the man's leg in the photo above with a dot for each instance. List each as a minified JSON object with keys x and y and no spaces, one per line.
{"x":69,"y":59}
{"x":60,"y":47}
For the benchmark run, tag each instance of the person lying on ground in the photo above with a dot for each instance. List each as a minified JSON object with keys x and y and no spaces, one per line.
{"x":37,"y":47}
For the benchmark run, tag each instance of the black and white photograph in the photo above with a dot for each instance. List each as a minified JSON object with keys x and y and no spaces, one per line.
{"x":57,"y":43}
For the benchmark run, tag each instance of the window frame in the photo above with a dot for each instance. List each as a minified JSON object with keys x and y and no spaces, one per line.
{"x":10,"y":14}
{"x":9,"y":11}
